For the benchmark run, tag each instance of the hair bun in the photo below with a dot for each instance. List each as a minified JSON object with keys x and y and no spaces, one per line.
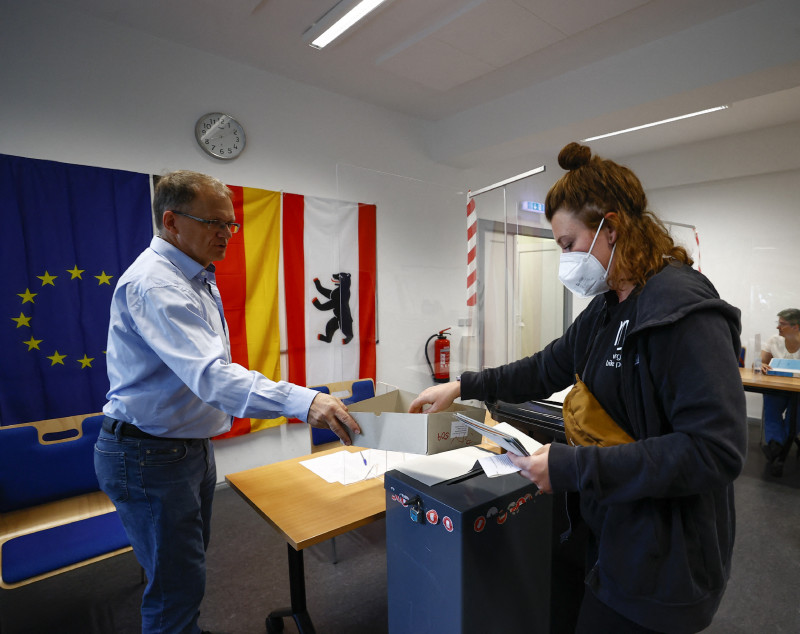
{"x":574,"y":155}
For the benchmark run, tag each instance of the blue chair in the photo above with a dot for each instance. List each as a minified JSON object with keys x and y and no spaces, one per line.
{"x":53,"y":517}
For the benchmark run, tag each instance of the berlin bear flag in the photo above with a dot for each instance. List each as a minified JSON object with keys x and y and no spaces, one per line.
{"x":329,"y":265}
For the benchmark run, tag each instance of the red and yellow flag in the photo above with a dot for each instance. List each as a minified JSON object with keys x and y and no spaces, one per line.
{"x":248,"y":283}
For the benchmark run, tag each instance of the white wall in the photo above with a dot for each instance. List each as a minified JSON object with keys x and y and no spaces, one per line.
{"x":84,"y":91}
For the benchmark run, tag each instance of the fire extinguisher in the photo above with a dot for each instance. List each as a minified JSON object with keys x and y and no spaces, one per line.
{"x":440,"y":370}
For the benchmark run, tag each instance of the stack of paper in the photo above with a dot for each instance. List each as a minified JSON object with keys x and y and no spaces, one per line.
{"x":496,"y":434}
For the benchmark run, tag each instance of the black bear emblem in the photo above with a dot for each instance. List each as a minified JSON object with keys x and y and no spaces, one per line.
{"x":339,"y":302}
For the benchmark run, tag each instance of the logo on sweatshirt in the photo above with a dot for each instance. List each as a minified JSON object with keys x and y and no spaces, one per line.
{"x":616,"y":357}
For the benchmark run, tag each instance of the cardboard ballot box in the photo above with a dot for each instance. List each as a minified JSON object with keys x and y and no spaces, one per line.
{"x":386,"y":424}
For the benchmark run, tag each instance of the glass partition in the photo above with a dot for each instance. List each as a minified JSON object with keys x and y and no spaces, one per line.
{"x":422,"y":275}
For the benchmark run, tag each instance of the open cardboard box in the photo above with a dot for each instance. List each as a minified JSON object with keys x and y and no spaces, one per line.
{"x":386,"y":424}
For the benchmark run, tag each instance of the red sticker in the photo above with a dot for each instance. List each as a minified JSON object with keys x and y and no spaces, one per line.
{"x":432,"y":516}
{"x":480,"y":524}
{"x":502,"y":517}
{"x":447,"y":523}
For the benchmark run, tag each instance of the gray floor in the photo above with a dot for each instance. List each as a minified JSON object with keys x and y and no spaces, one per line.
{"x":248,"y":576}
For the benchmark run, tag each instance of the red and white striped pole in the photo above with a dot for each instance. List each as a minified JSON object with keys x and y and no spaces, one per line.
{"x":472,"y":243}
{"x":697,"y":241}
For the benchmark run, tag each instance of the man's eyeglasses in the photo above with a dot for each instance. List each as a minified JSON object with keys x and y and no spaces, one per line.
{"x":212,"y":225}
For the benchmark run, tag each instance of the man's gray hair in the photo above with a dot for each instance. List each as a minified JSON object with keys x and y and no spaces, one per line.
{"x":178,"y":190}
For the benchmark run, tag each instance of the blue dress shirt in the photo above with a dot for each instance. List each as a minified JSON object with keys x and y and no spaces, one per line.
{"x":168,"y":357}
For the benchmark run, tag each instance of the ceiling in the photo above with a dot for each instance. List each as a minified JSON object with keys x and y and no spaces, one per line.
{"x":498,"y":79}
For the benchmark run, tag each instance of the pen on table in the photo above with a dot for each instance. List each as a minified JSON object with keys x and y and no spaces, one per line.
{"x":363,"y":458}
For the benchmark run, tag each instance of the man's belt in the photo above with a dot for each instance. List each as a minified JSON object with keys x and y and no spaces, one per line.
{"x":113,"y":426}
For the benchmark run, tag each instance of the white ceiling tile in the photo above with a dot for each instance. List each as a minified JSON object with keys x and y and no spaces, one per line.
{"x":435,"y":64}
{"x":499,"y":32}
{"x":574,"y":16}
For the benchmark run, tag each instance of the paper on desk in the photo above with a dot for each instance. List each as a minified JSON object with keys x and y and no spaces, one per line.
{"x":443,"y":466}
{"x":348,"y":467}
{"x":496,"y":465}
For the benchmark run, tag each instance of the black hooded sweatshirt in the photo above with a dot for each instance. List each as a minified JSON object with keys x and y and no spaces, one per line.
{"x":661,"y":509}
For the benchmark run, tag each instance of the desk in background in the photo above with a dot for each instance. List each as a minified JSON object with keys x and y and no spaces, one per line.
{"x":306,"y":510}
{"x":770,"y":384}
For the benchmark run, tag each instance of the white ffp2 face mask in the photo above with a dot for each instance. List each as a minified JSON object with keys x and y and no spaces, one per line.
{"x":582,"y":273}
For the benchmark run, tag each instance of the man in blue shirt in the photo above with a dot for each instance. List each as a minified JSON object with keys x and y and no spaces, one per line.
{"x":172,"y":387}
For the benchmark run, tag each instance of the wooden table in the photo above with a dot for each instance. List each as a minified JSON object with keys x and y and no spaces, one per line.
{"x":306,"y":510}
{"x":771,"y":384}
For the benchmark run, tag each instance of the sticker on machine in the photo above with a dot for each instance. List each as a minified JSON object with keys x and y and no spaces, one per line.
{"x":447,"y":523}
{"x":480,"y":524}
{"x":432,"y":516}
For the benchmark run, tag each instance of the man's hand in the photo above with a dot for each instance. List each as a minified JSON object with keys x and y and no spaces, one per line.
{"x":328,"y":412}
{"x":535,"y":467}
{"x":438,"y":396}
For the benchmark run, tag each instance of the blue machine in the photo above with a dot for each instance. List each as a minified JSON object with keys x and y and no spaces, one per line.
{"x":471,"y":555}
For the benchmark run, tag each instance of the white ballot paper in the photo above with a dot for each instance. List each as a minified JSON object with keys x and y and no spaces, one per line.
{"x":443,"y":466}
{"x":496,"y":465}
{"x":348,"y":467}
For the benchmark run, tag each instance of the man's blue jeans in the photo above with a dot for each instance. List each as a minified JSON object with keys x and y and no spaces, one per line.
{"x":163,"y":491}
{"x":776,"y":417}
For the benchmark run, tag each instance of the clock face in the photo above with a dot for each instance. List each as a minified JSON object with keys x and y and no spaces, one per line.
{"x":220,"y":135}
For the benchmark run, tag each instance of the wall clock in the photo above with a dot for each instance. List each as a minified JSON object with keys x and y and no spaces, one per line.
{"x":220,"y":135}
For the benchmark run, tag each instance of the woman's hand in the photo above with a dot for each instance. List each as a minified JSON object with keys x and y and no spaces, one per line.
{"x":439,"y":397}
{"x":535,"y":467}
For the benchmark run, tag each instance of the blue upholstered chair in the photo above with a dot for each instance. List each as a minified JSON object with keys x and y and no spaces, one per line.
{"x":53,"y":517}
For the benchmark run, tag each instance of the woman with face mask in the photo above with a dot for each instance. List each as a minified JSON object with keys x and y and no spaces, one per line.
{"x":656,"y":419}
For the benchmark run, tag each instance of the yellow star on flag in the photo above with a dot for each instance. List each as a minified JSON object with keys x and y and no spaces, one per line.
{"x":22,"y":320}
{"x":32,"y":343}
{"x":75,"y":272}
{"x":47,"y":278}
{"x":104,"y":279}
{"x":57,"y":358}
{"x":86,"y":362}
{"x":27,"y":296}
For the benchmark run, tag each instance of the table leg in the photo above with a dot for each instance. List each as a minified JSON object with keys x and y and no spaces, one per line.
{"x":297,"y":593}
{"x":777,"y":466}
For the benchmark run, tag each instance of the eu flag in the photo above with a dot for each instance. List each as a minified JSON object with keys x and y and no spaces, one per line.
{"x":69,"y":232}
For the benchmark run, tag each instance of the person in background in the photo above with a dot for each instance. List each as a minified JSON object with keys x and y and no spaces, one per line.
{"x":784,"y":345}
{"x":172,"y":388}
{"x":653,"y":359}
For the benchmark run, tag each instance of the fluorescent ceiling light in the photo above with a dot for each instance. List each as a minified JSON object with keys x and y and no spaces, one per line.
{"x":655,"y":123}
{"x":338,"y":20}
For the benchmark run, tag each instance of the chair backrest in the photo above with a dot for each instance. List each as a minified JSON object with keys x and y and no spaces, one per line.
{"x":44,"y":462}
{"x":349,"y":392}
